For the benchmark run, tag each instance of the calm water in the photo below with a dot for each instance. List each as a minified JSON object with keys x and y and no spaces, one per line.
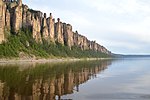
{"x":124,"y":79}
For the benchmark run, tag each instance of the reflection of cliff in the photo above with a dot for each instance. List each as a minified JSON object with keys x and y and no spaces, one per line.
{"x":47,"y":83}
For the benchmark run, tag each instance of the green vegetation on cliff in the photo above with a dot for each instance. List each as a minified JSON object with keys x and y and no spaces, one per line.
{"x":23,"y":45}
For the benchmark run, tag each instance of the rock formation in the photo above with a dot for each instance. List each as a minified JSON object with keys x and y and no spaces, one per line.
{"x":51,"y":24}
{"x":2,"y":20}
{"x":68,"y":35}
{"x":59,"y":32}
{"x":7,"y":20}
{"x":36,"y":30}
{"x":75,"y":38}
{"x":15,"y":16}
{"x":45,"y":33}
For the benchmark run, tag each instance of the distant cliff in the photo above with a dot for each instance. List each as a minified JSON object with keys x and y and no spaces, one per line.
{"x":15,"y":16}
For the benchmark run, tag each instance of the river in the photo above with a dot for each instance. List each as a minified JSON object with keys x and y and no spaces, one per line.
{"x":118,"y":79}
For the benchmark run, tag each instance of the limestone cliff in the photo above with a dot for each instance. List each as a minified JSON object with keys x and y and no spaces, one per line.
{"x":15,"y":16}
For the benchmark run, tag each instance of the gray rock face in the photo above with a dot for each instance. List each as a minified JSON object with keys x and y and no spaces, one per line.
{"x":15,"y":16}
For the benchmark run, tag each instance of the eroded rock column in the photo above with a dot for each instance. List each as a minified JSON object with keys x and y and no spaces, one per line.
{"x":51,"y":24}
{"x":45,"y":33}
{"x":36,"y":30}
{"x":68,"y":35}
{"x":2,"y":20}
{"x":7,"y":20}
{"x":17,"y":18}
{"x":59,"y":32}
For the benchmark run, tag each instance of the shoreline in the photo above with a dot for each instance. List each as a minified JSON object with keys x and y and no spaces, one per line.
{"x":49,"y":60}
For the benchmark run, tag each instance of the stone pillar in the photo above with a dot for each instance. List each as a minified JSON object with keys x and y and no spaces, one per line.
{"x":28,"y":19}
{"x":68,"y":35}
{"x":19,"y":2}
{"x":17,"y":18}
{"x":2,"y":20}
{"x":75,"y":38}
{"x":36,"y":28}
{"x":59,"y":32}
{"x":94,"y":46}
{"x":45,"y":33}
{"x":51,"y":24}
{"x":7,"y":20}
{"x":24,"y":19}
{"x":80,"y":42}
{"x":85,"y":43}
{"x":88,"y":45}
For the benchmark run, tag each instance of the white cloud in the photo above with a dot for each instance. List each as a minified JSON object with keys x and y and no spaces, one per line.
{"x":122,"y":23}
{"x":119,"y":6}
{"x":140,"y":29}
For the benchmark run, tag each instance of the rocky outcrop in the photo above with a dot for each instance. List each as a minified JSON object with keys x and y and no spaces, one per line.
{"x":68,"y":35}
{"x":51,"y":28}
{"x":45,"y":33}
{"x":59,"y":32}
{"x":15,"y":16}
{"x":85,"y":43}
{"x":24,"y":16}
{"x":2,"y":20}
{"x":7,"y":20}
{"x":36,"y":30}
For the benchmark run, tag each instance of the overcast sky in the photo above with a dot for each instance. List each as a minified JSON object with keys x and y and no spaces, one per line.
{"x":122,"y":26}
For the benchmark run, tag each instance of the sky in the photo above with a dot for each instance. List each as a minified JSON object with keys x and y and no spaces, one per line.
{"x":122,"y":26}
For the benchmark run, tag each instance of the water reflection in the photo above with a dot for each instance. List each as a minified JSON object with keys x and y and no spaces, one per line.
{"x":46,"y":81}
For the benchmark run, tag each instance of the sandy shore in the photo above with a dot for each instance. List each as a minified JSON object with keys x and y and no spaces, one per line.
{"x":54,"y":60}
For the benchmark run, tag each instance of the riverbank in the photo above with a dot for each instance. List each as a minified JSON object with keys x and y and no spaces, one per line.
{"x":49,"y":60}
